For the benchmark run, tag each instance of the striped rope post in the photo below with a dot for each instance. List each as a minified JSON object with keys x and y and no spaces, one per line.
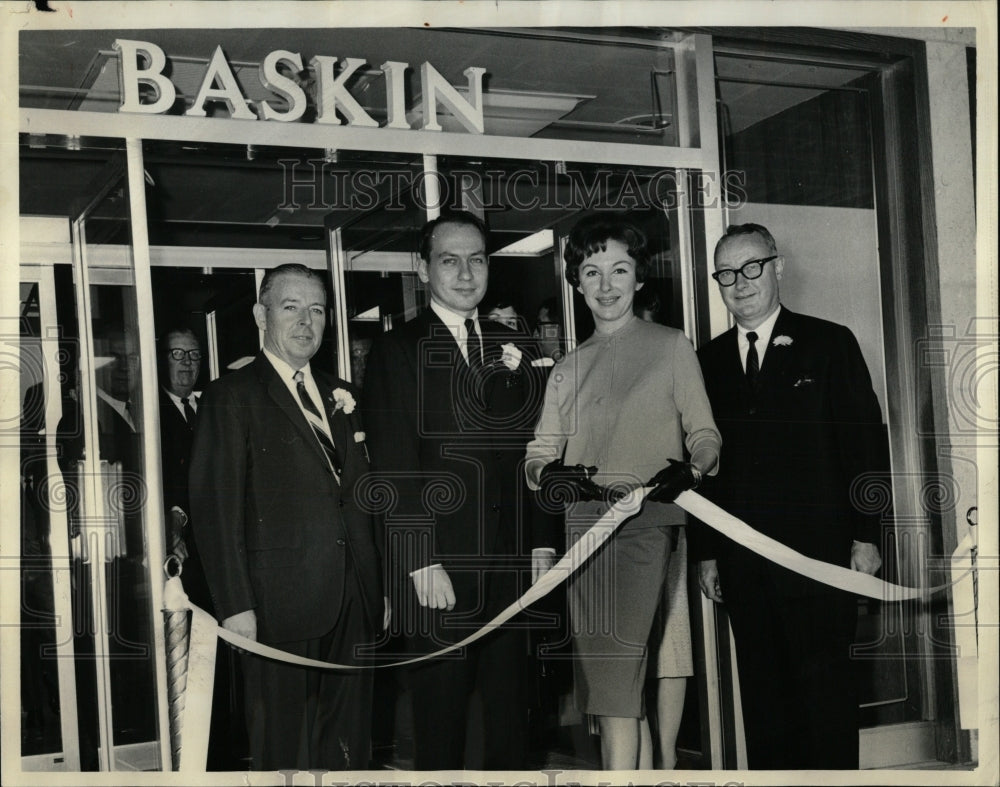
{"x":177,"y":620}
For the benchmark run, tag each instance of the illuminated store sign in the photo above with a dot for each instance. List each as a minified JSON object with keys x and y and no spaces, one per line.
{"x":331,"y":94}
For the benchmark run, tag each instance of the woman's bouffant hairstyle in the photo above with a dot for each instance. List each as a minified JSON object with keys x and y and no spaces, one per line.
{"x":591,"y":235}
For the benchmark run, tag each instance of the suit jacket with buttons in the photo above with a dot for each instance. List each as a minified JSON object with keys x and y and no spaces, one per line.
{"x":449,"y":445}
{"x":797,"y":447}
{"x":273,"y":526}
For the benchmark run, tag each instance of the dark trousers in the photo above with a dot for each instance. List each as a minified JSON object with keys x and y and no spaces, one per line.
{"x":305,"y":718}
{"x":797,"y":680}
{"x":442,"y":688}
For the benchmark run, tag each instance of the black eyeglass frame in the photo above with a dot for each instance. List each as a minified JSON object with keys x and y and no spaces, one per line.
{"x":179,"y":355}
{"x":742,"y":270}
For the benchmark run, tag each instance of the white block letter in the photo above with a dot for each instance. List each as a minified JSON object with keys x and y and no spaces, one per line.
{"x":284,"y":86}
{"x":130,"y":76}
{"x":332,"y":93}
{"x":395,"y":93}
{"x":228,"y":89}
{"x":435,"y":87}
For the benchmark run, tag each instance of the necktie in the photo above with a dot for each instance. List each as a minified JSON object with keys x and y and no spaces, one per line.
{"x":753,"y":364}
{"x":130,"y":415}
{"x":473,"y":350}
{"x":189,"y":414}
{"x":316,"y":422}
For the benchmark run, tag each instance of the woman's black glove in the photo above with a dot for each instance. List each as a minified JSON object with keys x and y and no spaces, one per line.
{"x":563,"y":484}
{"x":673,"y":479}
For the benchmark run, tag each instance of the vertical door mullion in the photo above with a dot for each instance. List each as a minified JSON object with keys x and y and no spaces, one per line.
{"x":566,"y":289}
{"x":336,"y":263}
{"x":152,"y":514}
{"x":92,"y":546}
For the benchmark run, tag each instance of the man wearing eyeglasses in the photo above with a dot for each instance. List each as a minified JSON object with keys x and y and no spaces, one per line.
{"x":180,"y":364}
{"x":800,"y":423}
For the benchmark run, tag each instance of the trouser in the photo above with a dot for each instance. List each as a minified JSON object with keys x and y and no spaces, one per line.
{"x":305,"y":718}
{"x":797,"y":681}
{"x":441,"y":690}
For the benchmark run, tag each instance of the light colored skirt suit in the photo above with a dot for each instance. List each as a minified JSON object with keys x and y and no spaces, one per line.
{"x":626,"y":402}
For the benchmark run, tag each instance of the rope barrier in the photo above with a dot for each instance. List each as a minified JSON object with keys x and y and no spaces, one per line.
{"x":836,"y":576}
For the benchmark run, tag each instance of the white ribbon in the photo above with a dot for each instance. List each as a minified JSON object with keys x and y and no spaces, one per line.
{"x":837,"y":576}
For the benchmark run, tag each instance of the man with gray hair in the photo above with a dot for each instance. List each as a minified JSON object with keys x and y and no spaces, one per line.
{"x":800,"y":422}
{"x":290,"y":556}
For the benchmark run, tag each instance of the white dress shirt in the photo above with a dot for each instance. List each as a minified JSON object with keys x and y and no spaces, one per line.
{"x":456,"y":324}
{"x":192,"y":400}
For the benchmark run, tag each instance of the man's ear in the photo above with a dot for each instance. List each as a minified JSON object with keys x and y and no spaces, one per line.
{"x":260,"y":316}
{"x":422,"y":270}
{"x":779,"y":266}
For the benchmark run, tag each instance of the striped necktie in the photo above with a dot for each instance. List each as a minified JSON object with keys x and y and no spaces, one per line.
{"x":316,"y":422}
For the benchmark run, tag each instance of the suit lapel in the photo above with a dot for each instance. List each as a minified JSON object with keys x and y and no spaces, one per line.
{"x":340,"y":427}
{"x":491,"y":355}
{"x":445,"y":370}
{"x":282,"y":397}
{"x":732,"y":365}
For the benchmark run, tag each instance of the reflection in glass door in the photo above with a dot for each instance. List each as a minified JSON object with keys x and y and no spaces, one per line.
{"x":116,"y":534}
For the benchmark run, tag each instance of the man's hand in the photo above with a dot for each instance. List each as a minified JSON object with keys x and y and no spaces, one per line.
{"x":242,"y":623}
{"x":541,"y":561}
{"x":177,"y":522}
{"x":386,"y":612}
{"x":708,"y":578}
{"x":673,"y":479}
{"x":559,"y":483}
{"x":433,"y":587}
{"x":865,"y":557}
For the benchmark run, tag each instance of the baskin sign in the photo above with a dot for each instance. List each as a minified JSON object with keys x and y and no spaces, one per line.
{"x":331,"y":94}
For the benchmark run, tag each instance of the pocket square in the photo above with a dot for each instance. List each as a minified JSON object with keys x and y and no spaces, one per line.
{"x":803,"y":380}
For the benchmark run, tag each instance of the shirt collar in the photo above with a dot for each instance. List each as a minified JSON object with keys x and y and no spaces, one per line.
{"x":284,"y":370}
{"x":764,"y":330}
{"x":118,"y":405}
{"x":451,"y":319}
{"x":192,"y":398}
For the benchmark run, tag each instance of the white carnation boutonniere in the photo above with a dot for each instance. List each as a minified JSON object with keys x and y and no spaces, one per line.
{"x":359,"y":438}
{"x":511,"y":357}
{"x":343,"y":400}
{"x":782,"y":341}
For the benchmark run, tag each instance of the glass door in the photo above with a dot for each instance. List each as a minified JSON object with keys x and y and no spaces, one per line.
{"x":798,"y":146}
{"x":108,"y":448}
{"x":49,"y":729}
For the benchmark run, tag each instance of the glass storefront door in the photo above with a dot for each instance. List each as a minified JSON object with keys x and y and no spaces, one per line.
{"x":98,"y":501}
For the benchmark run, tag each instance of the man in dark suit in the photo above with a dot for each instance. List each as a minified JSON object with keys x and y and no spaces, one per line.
{"x":450,"y":404}
{"x":800,"y":423}
{"x":291,"y":559}
{"x":180,"y":362}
